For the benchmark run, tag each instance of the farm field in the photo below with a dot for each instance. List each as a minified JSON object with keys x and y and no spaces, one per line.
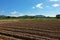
{"x":29,"y":29}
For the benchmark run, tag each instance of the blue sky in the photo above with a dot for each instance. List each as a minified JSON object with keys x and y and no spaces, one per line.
{"x":29,"y":7}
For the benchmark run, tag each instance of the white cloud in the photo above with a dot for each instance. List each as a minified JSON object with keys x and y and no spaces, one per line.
{"x":16,"y":15}
{"x":14,"y":12}
{"x":39,"y":5}
{"x":31,"y":14}
{"x":47,"y":6}
{"x":55,"y":5}
{"x":54,"y":0}
{"x":33,"y":7}
{"x":21,"y":14}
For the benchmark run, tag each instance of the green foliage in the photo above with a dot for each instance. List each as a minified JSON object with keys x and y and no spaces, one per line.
{"x":30,"y":17}
{"x":58,"y":16}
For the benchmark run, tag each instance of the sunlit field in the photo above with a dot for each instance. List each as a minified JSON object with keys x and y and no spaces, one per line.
{"x":29,"y":19}
{"x":30,"y":29}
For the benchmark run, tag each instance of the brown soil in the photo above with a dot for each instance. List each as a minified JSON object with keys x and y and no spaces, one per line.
{"x":30,"y":30}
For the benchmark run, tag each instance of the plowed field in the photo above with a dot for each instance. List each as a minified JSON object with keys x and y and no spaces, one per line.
{"x":29,"y":29}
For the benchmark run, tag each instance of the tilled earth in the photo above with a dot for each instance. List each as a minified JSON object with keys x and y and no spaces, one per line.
{"x":29,"y":29}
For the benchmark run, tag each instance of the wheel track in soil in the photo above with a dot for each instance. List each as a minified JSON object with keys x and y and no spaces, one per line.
{"x":22,"y":30}
{"x":31,"y":34}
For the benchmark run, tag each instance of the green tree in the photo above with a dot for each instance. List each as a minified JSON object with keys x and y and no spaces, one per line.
{"x":58,"y":16}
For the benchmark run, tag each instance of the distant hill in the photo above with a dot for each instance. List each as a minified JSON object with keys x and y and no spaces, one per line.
{"x":40,"y":16}
{"x":2,"y":16}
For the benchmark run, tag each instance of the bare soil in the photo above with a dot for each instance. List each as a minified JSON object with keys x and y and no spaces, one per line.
{"x":30,"y":29}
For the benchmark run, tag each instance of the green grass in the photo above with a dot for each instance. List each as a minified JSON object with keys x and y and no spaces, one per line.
{"x":29,"y":19}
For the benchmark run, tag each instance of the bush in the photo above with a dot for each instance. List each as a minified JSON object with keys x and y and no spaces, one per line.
{"x":58,"y":16}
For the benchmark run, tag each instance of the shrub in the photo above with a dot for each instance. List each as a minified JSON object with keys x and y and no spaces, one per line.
{"x":58,"y":16}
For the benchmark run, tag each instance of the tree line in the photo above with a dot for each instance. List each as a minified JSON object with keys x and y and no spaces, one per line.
{"x":26,"y":16}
